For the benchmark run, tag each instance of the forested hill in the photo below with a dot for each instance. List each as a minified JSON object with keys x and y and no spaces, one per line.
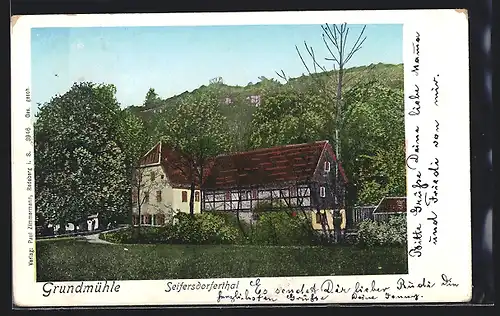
{"x":389,"y":75}
{"x":295,"y":110}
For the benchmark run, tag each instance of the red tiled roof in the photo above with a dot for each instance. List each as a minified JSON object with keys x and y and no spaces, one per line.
{"x":288,"y":163}
{"x":391,"y":205}
{"x":177,"y":167}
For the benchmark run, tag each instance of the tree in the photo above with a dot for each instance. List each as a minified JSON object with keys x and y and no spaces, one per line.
{"x":196,"y":133}
{"x":135,"y":141}
{"x":289,"y":117}
{"x":152,"y":99}
{"x":373,"y":139}
{"x":335,"y":39}
{"x":80,"y":168}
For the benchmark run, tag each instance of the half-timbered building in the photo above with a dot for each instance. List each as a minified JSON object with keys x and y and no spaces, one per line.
{"x":302,"y":176}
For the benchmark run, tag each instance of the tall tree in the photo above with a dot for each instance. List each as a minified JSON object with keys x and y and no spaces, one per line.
{"x":152,"y":99}
{"x":80,"y":167}
{"x":288,"y":117}
{"x":135,"y":141}
{"x":197,"y":133}
{"x":373,"y":139}
{"x":335,"y":39}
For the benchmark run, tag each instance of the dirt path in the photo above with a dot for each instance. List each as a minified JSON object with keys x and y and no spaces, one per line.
{"x":94,"y":238}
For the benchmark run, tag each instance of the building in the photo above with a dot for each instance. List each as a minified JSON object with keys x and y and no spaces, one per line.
{"x":389,"y":207}
{"x":161,"y":187}
{"x":305,"y":177}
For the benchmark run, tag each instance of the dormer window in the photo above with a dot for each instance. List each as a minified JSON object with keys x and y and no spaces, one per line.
{"x":327,"y":166}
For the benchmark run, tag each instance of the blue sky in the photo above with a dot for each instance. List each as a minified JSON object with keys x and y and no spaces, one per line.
{"x":173,"y":59}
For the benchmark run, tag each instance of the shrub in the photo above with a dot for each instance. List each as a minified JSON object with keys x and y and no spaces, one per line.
{"x":140,"y":235}
{"x":389,"y":233}
{"x":282,"y":226}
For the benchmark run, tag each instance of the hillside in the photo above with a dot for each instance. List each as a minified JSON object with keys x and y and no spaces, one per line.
{"x":388,"y":75}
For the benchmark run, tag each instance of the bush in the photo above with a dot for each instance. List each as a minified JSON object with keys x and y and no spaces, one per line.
{"x":282,"y":227}
{"x":140,"y":235}
{"x":203,"y":228}
{"x":390,"y":233}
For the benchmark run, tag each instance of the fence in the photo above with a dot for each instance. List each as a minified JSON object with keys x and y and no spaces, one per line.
{"x":382,"y":217}
{"x":359,"y":214}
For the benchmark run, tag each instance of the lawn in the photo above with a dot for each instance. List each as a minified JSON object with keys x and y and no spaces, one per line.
{"x":77,"y":260}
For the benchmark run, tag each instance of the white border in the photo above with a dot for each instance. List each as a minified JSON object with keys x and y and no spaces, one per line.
{"x":443,"y":49}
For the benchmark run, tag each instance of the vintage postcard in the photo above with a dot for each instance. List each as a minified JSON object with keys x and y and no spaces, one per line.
{"x":241,"y":158}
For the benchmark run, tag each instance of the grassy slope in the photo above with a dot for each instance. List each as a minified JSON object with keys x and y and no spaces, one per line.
{"x":74,"y":260}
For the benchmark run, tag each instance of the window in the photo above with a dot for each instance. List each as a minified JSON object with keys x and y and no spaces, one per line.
{"x":160,"y":219}
{"x":249,"y":195}
{"x":254,"y":194}
{"x":318,"y":218}
{"x":197,"y":196}
{"x":146,"y":197}
{"x":184,"y":196}
{"x":153,"y":176}
{"x":327,"y":166}
{"x":228,"y":195}
{"x":322,"y":192}
{"x":158,"y":196}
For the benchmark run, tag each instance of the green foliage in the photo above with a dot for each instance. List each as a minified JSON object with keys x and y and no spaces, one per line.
{"x":206,"y":228}
{"x":289,"y":117}
{"x":388,"y":233}
{"x":198,"y":131}
{"x":280,"y":228}
{"x":280,"y":225}
{"x":152,"y":99}
{"x":144,"y":235}
{"x":198,"y":128}
{"x":80,"y":167}
{"x":79,"y":260}
{"x":133,"y":137}
{"x":373,"y":141}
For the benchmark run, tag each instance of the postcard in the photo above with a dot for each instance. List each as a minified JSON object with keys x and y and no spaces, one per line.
{"x":224,"y":159}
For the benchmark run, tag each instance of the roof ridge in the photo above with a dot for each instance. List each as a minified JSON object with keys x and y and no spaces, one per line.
{"x":270,"y":148}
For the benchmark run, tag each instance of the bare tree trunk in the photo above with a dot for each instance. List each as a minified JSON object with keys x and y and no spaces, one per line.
{"x":339,"y":112}
{"x":238,"y":216}
{"x":191,"y":199}
{"x":335,"y":40}
{"x":200,"y":177}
